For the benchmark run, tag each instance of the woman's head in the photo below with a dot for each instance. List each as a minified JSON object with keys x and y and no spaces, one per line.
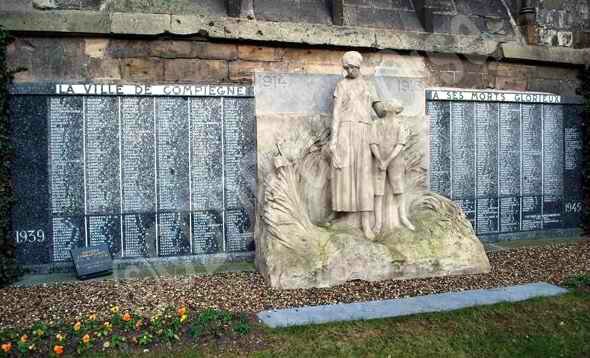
{"x":351,"y":61}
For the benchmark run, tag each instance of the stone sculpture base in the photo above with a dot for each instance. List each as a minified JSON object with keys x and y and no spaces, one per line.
{"x":443,"y":244}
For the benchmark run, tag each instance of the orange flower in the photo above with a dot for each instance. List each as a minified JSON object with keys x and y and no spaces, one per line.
{"x":126,"y":317}
{"x":181,"y":311}
{"x":7,"y":347}
{"x":77,"y":326}
{"x":59,"y":350}
{"x":24,"y":338}
{"x":86,"y":339}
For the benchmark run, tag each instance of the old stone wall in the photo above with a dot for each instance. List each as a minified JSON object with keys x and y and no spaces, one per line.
{"x":171,"y":61}
{"x":564,"y":23}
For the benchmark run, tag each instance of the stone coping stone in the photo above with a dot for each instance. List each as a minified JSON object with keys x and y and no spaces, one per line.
{"x":406,"y":306}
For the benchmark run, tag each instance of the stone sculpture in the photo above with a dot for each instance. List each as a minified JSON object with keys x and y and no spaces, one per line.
{"x":334,"y":192}
{"x":352,"y":171}
{"x":388,"y":139}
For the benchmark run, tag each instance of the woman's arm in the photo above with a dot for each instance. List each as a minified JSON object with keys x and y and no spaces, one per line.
{"x":335,"y":128}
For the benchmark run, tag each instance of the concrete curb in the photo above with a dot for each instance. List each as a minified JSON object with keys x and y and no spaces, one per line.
{"x":406,"y":306}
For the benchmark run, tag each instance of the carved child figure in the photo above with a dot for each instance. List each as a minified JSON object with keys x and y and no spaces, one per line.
{"x":388,"y":139}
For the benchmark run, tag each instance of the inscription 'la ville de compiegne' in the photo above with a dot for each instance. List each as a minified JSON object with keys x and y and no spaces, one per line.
{"x":379,"y":222}
{"x":151,"y":90}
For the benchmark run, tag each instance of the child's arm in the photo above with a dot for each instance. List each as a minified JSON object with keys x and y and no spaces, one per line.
{"x":396,"y":151}
{"x":377,"y":155}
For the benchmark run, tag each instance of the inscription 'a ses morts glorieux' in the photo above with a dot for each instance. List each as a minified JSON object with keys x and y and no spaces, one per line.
{"x":149,"y":170}
{"x":512,"y":161}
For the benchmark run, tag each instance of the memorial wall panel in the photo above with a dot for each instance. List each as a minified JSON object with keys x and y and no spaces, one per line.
{"x":151,"y":170}
{"x":514,"y":158}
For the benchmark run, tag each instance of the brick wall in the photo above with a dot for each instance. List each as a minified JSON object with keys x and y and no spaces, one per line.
{"x":117,"y":60}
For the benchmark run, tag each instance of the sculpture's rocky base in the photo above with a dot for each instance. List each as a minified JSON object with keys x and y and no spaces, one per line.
{"x":321,"y":256}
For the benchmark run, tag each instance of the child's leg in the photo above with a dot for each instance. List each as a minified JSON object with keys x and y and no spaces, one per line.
{"x":403,"y":212}
{"x":378,"y":213}
{"x":366,"y":224}
{"x":393,"y":178}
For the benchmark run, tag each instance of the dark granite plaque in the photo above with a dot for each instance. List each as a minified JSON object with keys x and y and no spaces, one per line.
{"x":440,"y":147}
{"x":508,"y":152}
{"x":532,"y":213}
{"x":239,"y":174}
{"x":514,"y":158}
{"x":487,"y":216}
{"x":163,"y":170}
{"x":138,"y":172}
{"x":486,"y":115}
{"x":102,"y":177}
{"x":67,"y":232}
{"x":509,"y":214}
{"x":31,"y":216}
{"x":173,"y":154}
{"x":139,"y":232}
{"x":207,"y":154}
{"x":573,"y":167}
{"x":239,"y":231}
{"x":105,"y":229}
{"x":531,"y":150}
{"x":463,"y":165}
{"x":208,"y":231}
{"x":92,"y":261}
{"x":174,"y":231}
{"x":66,"y":155}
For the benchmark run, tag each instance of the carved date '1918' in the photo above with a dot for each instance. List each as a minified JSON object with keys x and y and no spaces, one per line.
{"x":30,"y":236}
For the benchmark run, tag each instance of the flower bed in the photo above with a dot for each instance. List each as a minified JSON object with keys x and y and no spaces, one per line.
{"x":122,"y":331}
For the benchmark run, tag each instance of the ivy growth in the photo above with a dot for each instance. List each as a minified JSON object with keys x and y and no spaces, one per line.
{"x":584,"y":90}
{"x":8,"y":267}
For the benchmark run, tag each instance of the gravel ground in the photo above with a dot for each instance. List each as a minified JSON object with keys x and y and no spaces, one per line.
{"x":247,"y":292}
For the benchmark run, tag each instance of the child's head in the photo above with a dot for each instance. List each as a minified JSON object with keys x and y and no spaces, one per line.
{"x":383,"y":108}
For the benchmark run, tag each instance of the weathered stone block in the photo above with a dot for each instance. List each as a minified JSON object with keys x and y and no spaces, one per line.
{"x":506,"y":76}
{"x":553,"y":72}
{"x":135,"y":23}
{"x":259,"y":53}
{"x":214,"y":51}
{"x":315,"y":56}
{"x":15,"y":5}
{"x":52,"y":59}
{"x":128,"y":49}
{"x":104,"y":69}
{"x":96,"y":48}
{"x":443,"y":78}
{"x":581,"y":39}
{"x":142,"y":69}
{"x":560,"y":87}
{"x":19,"y":54}
{"x":245,"y":70}
{"x":312,"y":11}
{"x":471,"y":80}
{"x":171,"y":49}
{"x":187,"y":70}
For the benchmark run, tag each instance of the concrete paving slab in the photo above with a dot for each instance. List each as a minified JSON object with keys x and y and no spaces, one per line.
{"x":406,"y":306}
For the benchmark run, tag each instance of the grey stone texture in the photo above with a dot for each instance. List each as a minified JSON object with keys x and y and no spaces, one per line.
{"x":405,"y":306}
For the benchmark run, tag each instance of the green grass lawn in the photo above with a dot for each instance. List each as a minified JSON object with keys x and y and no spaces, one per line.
{"x":548,"y":327}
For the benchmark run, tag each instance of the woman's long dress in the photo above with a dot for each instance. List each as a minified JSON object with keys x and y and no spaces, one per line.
{"x":352,"y":185}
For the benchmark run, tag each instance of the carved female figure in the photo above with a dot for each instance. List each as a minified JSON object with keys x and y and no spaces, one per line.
{"x":351,"y":177}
